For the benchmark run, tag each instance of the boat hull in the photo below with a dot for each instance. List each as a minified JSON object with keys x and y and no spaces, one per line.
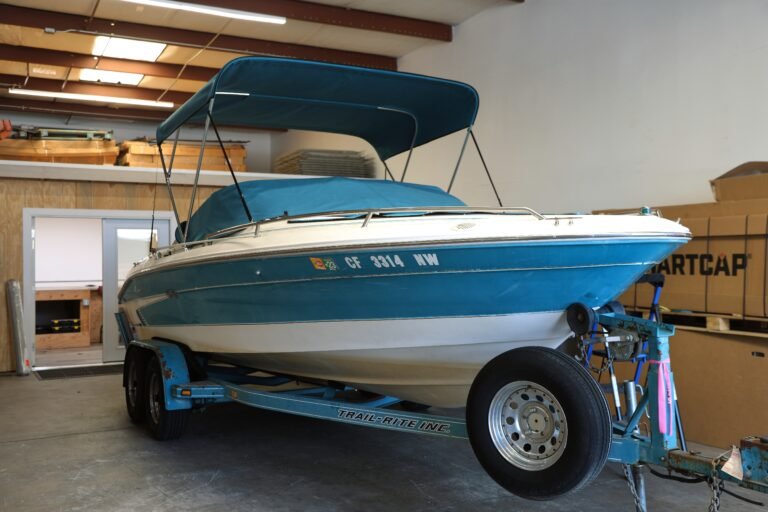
{"x":428,"y":360}
{"x":415,"y":322}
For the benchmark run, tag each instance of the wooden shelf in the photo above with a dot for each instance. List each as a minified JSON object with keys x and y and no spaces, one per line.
{"x":66,"y":339}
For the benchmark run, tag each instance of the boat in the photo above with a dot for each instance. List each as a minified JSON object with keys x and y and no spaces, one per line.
{"x":384,"y":286}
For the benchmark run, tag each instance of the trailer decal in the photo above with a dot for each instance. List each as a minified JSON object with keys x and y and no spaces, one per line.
{"x":368,"y":417}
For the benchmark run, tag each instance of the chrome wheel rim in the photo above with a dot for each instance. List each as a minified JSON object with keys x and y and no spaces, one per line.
{"x":527,"y":425}
{"x":133,"y":384}
{"x":155,"y":398}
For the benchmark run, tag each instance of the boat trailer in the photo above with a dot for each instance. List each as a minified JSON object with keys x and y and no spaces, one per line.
{"x":662,"y":445}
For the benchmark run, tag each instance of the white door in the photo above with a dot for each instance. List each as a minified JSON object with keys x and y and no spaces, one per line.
{"x":124,"y":243}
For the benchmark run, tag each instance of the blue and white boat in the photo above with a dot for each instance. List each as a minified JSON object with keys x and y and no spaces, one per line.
{"x":388,"y":287}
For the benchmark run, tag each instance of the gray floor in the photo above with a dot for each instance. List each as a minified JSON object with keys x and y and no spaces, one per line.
{"x":68,"y":445}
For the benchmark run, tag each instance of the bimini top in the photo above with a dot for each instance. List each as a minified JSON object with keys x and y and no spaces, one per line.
{"x":268,"y":199}
{"x":386,"y":108}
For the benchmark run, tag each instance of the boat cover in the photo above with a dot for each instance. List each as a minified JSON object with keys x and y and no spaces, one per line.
{"x":383,"y":107}
{"x":268,"y":199}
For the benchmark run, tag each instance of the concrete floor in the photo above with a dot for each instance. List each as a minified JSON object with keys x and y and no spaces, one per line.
{"x":69,"y":356}
{"x":68,"y":445}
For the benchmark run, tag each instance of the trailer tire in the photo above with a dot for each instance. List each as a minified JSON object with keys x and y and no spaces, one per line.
{"x":133,"y":382}
{"x":538,"y":423}
{"x":163,"y":424}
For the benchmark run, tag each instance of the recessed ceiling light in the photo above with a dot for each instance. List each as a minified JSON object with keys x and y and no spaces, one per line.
{"x":213,"y":11}
{"x":110,"y":77}
{"x":92,"y":97}
{"x":105,"y":46}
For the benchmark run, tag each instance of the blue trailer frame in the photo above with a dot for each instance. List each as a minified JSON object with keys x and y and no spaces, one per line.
{"x":661,"y":447}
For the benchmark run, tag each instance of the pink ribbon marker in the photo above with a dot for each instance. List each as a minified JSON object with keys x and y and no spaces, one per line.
{"x":665,"y":396}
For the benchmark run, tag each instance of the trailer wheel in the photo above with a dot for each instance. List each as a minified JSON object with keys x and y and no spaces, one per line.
{"x":133,"y":381}
{"x":163,"y":424}
{"x":538,"y":423}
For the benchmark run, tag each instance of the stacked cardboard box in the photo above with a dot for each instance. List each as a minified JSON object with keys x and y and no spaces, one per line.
{"x":717,"y":280}
{"x":722,"y":271}
{"x":142,"y":153}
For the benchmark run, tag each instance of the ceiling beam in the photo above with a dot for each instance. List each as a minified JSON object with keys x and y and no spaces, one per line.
{"x":118,"y":112}
{"x":40,"y":19}
{"x":339,"y":16}
{"x":55,"y":107}
{"x":81,"y":60}
{"x":45,"y":84}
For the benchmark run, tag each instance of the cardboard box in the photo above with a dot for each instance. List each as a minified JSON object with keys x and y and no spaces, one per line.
{"x":721,"y":382}
{"x":722,"y":385}
{"x":722,"y":271}
{"x":747,"y":181}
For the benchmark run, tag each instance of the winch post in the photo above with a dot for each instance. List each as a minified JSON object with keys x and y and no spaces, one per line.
{"x":662,"y":446}
{"x":659,"y":392}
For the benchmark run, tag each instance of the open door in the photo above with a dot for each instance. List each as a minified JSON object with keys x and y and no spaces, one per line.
{"x":124,"y":243}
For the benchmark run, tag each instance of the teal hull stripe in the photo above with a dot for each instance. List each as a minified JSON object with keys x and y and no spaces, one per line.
{"x":396,"y":283}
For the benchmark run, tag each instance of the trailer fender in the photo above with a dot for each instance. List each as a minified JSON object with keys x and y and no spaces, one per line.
{"x":174,"y":370}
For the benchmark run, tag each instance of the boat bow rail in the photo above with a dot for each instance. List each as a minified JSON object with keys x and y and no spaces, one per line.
{"x":366,"y":216}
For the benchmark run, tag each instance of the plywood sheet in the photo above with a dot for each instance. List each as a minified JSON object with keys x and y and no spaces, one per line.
{"x":12,"y":198}
{"x":62,"y":340}
{"x":96,"y":316}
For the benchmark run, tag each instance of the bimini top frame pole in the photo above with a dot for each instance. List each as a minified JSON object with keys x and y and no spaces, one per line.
{"x":167,"y":174}
{"x":209,"y":122}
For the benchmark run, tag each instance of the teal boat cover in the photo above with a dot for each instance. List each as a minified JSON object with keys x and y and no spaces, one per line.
{"x":390,"y":110}
{"x":268,"y":199}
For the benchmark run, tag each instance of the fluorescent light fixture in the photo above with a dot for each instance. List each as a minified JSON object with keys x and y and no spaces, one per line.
{"x":120,"y":48}
{"x":213,"y":11}
{"x":110,"y":77}
{"x":92,"y":97}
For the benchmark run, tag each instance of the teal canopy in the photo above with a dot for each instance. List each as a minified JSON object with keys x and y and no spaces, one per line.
{"x":268,"y":199}
{"x":386,"y":108}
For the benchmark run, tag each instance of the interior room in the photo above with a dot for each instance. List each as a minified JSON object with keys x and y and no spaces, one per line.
{"x":524,"y":240}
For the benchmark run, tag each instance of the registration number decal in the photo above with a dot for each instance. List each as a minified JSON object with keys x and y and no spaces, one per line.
{"x":378,"y":261}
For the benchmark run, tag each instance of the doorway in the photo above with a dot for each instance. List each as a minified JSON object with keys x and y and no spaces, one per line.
{"x":74,"y":264}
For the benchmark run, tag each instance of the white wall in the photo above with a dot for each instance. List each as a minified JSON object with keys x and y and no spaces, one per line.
{"x":594,"y":104}
{"x":67,"y":252}
{"x":258,"y":148}
{"x":605,"y":103}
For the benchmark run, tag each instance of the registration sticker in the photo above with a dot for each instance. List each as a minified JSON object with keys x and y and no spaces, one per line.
{"x":318,"y":263}
{"x":324,"y":264}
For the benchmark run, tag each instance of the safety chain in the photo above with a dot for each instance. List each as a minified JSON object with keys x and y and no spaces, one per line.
{"x":716,"y":485}
{"x":632,"y":487}
{"x":594,"y":369}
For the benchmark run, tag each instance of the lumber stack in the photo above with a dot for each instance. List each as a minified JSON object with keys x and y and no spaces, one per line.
{"x":322,"y":162}
{"x":142,"y":153}
{"x":100,"y":152}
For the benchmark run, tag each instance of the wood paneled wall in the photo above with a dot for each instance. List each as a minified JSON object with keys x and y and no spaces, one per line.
{"x":16,"y":194}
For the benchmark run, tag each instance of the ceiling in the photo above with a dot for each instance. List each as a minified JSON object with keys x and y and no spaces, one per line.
{"x":48,"y":45}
